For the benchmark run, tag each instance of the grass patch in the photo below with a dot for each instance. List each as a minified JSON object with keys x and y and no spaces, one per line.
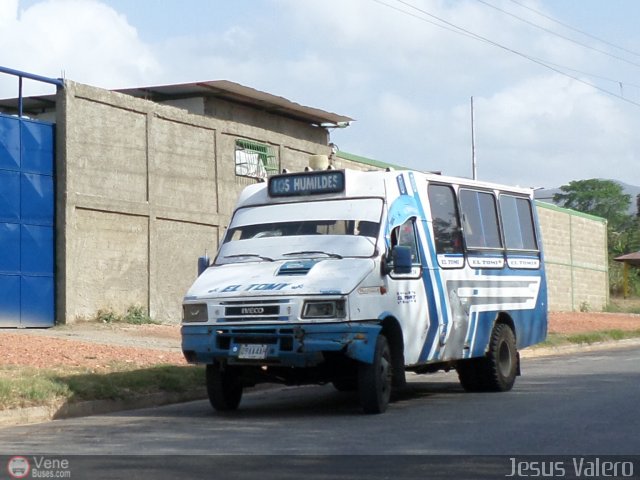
{"x":624,"y":305}
{"x":135,"y":315}
{"x":25,"y":386}
{"x":558,"y":339}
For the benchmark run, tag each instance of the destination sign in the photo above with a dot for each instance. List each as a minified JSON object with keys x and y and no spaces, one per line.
{"x":307,"y":183}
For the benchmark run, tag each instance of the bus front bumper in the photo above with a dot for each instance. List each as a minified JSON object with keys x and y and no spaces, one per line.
{"x":295,"y":346}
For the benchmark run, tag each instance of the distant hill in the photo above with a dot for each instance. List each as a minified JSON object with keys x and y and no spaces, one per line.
{"x":547,"y":194}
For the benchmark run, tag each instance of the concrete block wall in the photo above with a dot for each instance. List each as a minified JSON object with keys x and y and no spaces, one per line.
{"x":575,"y":249}
{"x":143,"y":189}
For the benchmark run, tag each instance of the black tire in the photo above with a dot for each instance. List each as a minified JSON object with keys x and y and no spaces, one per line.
{"x":375,"y":380}
{"x":470,"y":374}
{"x":224,"y":387}
{"x":497,"y":370}
{"x":502,"y":359}
{"x":345,"y":384}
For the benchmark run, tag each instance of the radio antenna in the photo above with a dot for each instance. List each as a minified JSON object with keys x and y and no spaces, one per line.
{"x":474,"y":166}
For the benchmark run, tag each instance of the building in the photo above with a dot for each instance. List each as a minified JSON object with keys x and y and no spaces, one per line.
{"x":114,"y":194}
{"x":144,"y":180}
{"x":576,"y":258}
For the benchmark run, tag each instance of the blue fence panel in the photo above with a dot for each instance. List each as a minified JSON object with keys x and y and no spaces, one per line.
{"x":10,"y":248}
{"x":36,"y":147}
{"x":27,"y":231}
{"x":9,"y":196}
{"x":36,"y":248}
{"x":10,"y":144}
{"x":36,"y":301}
{"x":9,"y":300}
{"x":36,"y":199}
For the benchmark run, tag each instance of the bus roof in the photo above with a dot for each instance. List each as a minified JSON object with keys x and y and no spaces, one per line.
{"x":324,"y":184}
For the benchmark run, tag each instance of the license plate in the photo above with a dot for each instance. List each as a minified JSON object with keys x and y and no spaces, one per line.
{"x":253,"y":352}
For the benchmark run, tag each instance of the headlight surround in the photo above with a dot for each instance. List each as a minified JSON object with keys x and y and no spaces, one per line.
{"x":194,"y":312}
{"x":323,"y":309}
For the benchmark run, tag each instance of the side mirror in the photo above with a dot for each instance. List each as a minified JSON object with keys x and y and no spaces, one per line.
{"x":203,"y":264}
{"x":401,"y":258}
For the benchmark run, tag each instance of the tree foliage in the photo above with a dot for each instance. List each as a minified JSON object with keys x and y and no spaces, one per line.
{"x":606,"y":198}
{"x":603,"y":198}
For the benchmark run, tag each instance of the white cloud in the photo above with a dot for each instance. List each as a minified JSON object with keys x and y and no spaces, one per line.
{"x":8,"y":12}
{"x":551,"y":129}
{"x":406,"y":81}
{"x":88,"y":40}
{"x":533,"y":126}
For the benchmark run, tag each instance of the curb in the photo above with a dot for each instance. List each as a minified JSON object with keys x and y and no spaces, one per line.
{"x":537,"y":352}
{"x":60,"y":410}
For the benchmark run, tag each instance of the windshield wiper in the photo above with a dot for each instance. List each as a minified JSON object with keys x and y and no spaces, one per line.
{"x":249,"y":255}
{"x":313,"y":252}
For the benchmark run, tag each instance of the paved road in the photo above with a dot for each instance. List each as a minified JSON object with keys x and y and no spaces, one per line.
{"x":585,"y":404}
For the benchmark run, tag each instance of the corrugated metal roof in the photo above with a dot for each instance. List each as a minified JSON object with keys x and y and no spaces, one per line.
{"x":34,"y":104}
{"x":630,"y":258}
{"x":237,"y":93}
{"x":233,"y":92}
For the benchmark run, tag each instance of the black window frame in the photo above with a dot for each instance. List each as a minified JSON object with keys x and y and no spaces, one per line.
{"x":498,"y":224}
{"x":456,"y":234}
{"x":532,"y":223}
{"x":415,"y":250}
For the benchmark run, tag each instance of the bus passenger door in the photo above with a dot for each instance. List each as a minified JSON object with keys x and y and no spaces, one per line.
{"x":449,"y":272}
{"x":408,"y":292}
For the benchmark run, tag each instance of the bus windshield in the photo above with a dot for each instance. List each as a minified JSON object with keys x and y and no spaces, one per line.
{"x":336,"y":228}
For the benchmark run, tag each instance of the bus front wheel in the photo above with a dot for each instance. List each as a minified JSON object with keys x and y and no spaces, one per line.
{"x":224,"y":387}
{"x":374,"y":380}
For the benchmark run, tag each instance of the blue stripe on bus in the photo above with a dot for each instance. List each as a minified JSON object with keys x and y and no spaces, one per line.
{"x":438,"y":289}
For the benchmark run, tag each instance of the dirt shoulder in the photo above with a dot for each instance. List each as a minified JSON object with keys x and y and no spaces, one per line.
{"x":97,"y":346}
{"x":90,"y":368}
{"x":92,"y":345}
{"x":582,"y":322}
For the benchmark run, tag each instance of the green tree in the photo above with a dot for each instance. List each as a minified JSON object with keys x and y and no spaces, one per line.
{"x":603,"y":198}
{"x":606,"y":198}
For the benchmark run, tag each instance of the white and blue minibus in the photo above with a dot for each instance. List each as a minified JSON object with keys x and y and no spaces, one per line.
{"x":356,"y":278}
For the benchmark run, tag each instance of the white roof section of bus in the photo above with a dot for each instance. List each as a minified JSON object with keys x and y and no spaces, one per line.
{"x":467,"y":182}
{"x":369,"y":184}
{"x":357,"y":184}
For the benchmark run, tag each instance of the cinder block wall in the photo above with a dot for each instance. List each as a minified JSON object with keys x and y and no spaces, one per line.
{"x":143,"y":189}
{"x":575,"y":249}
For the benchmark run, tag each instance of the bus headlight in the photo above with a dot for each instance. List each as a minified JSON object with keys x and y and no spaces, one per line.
{"x":323,"y":309}
{"x":194,"y":312}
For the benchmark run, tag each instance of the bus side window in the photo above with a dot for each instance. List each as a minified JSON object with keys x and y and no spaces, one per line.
{"x":446,"y":221}
{"x":517,"y":221}
{"x":481,"y":229}
{"x":405,"y":235}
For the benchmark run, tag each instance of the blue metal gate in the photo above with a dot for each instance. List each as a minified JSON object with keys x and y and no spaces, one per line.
{"x":27,"y":201}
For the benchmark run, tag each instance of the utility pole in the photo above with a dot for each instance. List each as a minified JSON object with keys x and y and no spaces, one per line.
{"x":474,"y":166}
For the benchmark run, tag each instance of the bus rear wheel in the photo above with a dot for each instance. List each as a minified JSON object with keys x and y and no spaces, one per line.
{"x":497,"y":370}
{"x":375,"y":379}
{"x":502,"y":359}
{"x":224,"y":387}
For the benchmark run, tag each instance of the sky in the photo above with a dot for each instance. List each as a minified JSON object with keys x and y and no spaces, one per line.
{"x":555,"y":83}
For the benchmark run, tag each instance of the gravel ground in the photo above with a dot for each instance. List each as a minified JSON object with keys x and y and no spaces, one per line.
{"x":92,"y":345}
{"x":97,"y":346}
{"x":578,"y":322}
